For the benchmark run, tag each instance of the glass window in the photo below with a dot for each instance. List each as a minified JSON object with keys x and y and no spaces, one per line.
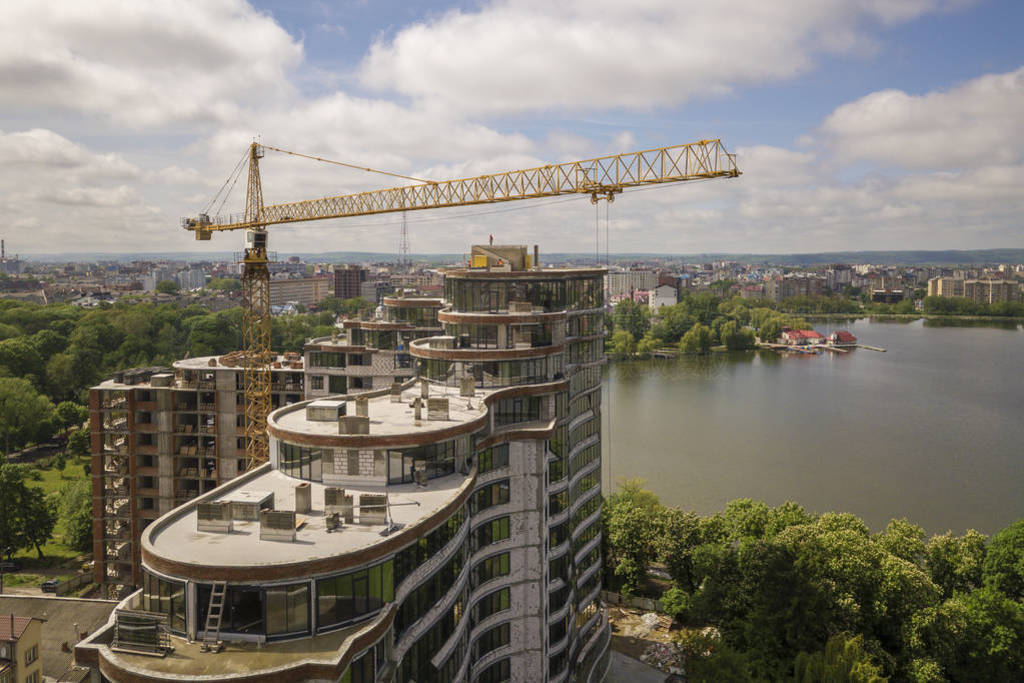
{"x":491,"y":567}
{"x":337,"y":384}
{"x":499,"y":672}
{"x":492,"y":458}
{"x":348,"y":596}
{"x":491,"y":532}
{"x":491,"y":639}
{"x":165,"y":597}
{"x":287,"y":609}
{"x":490,"y":495}
{"x":492,"y":603}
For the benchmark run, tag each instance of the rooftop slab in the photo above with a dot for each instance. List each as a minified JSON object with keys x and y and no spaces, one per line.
{"x":388,"y":418}
{"x":178,"y":539}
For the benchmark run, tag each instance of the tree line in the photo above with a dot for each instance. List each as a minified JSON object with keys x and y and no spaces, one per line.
{"x":790,"y":594}
{"x":696,"y":324}
{"x":51,"y":354}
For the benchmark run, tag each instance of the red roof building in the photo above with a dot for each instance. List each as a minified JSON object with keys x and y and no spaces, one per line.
{"x":842,"y":337}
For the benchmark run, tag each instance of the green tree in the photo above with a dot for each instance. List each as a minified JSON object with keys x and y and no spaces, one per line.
{"x":38,"y":519}
{"x":167,"y":287}
{"x":904,"y":540}
{"x":71,"y":414}
{"x":25,"y":415}
{"x":622,"y":343}
{"x":647,"y":345}
{"x":74,"y":509}
{"x":844,"y":660}
{"x":681,"y":535}
{"x":955,"y":562}
{"x":630,"y":517}
{"x":735,"y":337}
{"x":224,"y":284}
{"x":12,"y":494}
{"x":770,"y":330}
{"x":61,"y":380}
{"x":632,"y":317}
{"x":78,"y":442}
{"x":696,"y":340}
{"x":1004,"y":561}
{"x":976,"y":636}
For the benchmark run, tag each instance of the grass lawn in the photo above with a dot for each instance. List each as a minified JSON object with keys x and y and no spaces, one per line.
{"x":52,"y":479}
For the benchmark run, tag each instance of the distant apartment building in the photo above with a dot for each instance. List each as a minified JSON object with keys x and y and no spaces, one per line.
{"x":794,"y":284}
{"x":624,"y":282}
{"x":661,"y":296}
{"x":986,"y":291}
{"x":156,"y":276}
{"x":191,"y":278}
{"x":374,"y":290}
{"x":837,"y":277}
{"x":946,"y":286}
{"x":348,"y":280}
{"x":992,"y":291}
{"x":752,"y":291}
{"x":305,"y":291}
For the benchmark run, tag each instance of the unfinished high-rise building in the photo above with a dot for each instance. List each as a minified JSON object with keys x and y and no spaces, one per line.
{"x":445,"y":529}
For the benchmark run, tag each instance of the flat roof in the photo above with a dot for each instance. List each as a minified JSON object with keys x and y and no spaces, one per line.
{"x":388,"y":418}
{"x":179,"y":540}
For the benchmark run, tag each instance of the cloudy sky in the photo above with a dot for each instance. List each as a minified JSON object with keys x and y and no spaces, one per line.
{"x":858,"y":124}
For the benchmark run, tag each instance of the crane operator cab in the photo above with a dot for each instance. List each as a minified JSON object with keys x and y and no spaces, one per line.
{"x":255,"y":243}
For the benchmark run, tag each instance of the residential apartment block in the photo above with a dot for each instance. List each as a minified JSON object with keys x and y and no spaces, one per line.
{"x":795,"y":284}
{"x":624,"y":282}
{"x":981,"y":290}
{"x":305,"y":291}
{"x":445,"y":529}
{"x":348,"y":280}
{"x":161,"y":437}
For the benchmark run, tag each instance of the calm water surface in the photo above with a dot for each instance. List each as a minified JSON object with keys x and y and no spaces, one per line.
{"x":932,"y":430}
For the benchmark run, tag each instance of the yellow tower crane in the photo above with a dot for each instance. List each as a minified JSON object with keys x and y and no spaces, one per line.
{"x":601,"y":178}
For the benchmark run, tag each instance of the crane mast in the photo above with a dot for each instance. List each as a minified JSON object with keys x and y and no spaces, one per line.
{"x":601,"y":178}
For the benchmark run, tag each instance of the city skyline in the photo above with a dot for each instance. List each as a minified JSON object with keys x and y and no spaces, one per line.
{"x":858,"y":125}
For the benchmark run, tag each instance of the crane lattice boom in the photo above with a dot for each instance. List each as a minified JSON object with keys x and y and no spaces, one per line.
{"x":600,"y":177}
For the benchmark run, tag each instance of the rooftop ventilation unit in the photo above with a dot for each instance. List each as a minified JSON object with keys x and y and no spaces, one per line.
{"x":277,"y":525}
{"x":373,"y":509}
{"x":437,"y":408}
{"x":353,"y":424}
{"x":214,"y":517}
{"x":325,"y":410}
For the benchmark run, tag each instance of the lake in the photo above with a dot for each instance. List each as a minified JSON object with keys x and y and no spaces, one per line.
{"x":931,"y":430}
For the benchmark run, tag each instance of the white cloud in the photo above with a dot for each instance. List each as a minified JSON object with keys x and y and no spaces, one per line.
{"x":142,"y":63}
{"x":58,"y":195}
{"x":521,"y":55}
{"x":973,"y":124}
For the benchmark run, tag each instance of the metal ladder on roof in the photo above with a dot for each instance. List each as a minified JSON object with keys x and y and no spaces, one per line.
{"x":214,"y":614}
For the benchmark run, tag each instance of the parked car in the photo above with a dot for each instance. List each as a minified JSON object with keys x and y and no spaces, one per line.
{"x":50,"y":585}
